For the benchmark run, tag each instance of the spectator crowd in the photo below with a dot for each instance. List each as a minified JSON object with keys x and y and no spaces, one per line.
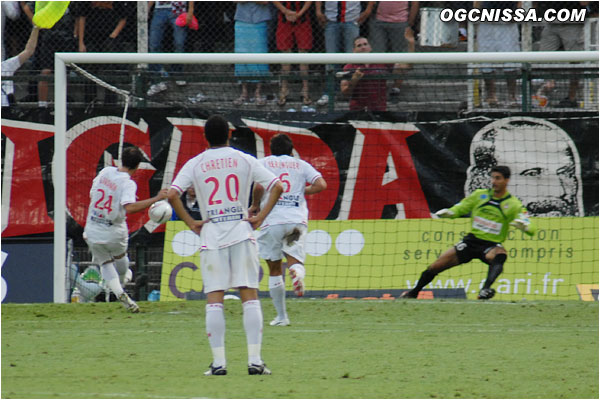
{"x":275,"y":26}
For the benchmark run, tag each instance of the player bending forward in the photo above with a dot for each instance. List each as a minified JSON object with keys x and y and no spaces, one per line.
{"x":283,"y":231}
{"x":222,"y":178}
{"x":492,"y":211}
{"x":112,"y":197}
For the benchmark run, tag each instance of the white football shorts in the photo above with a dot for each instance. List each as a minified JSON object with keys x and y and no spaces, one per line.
{"x":230,"y":267}
{"x":103,"y":252}
{"x":272,"y":242}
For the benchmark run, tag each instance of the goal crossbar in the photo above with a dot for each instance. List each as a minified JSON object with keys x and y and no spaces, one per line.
{"x":330,"y":58}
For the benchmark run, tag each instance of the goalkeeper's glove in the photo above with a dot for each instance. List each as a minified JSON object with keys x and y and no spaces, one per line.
{"x":521,"y":224}
{"x":445,"y":213}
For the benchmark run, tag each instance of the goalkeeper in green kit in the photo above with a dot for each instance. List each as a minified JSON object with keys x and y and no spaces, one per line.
{"x":492,"y":211}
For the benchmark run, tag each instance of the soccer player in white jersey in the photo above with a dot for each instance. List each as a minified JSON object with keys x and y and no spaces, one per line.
{"x":222,"y":178}
{"x":112,"y":196}
{"x":284,"y":229}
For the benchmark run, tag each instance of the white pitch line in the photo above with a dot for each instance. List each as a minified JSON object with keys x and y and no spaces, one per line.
{"x":128,"y":395}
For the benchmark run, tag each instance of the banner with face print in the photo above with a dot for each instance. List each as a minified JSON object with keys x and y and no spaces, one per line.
{"x":376,"y":166}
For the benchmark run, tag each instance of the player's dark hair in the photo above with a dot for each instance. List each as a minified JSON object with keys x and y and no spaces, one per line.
{"x":281,"y":145}
{"x":356,"y":38}
{"x":131,"y":157}
{"x":501,"y":169}
{"x":216,"y":130}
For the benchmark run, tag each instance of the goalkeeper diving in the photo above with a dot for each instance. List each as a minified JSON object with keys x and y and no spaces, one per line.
{"x":493,"y":211}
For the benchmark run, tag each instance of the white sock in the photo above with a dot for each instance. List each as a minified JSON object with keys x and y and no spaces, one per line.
{"x":277,"y":291}
{"x":253,"y":322}
{"x":299,"y":269}
{"x":215,"y":330}
{"x":122,"y":265}
{"x":110,"y":276}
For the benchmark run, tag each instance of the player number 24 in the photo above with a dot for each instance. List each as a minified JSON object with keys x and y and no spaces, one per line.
{"x":104,"y":205}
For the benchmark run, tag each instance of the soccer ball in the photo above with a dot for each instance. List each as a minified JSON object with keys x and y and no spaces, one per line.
{"x":160,"y":212}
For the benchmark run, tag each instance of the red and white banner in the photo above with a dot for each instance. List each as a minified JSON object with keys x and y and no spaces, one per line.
{"x":373,"y":169}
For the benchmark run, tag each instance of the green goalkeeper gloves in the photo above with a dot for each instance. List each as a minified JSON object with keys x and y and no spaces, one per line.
{"x":445,"y":213}
{"x":521,"y":224}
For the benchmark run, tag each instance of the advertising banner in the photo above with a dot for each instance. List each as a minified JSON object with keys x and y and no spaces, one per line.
{"x":374,"y":169}
{"x":27,"y":271}
{"x":378,"y":257}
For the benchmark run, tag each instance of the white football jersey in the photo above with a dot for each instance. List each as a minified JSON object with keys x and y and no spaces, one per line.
{"x":294,"y":174}
{"x":222,"y":179}
{"x":111,"y":191}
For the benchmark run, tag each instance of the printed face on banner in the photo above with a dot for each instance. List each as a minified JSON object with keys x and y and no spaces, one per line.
{"x":544,"y":164}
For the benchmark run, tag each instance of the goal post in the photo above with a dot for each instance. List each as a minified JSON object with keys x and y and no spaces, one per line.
{"x":59,"y":175}
{"x":63,"y":60}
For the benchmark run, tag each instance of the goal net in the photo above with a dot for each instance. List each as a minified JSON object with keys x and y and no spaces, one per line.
{"x":421,"y":132}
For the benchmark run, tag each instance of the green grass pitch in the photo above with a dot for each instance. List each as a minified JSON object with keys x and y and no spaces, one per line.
{"x":333,"y":349}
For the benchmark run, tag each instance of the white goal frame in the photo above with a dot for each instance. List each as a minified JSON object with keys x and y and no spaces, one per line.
{"x":61,"y":60}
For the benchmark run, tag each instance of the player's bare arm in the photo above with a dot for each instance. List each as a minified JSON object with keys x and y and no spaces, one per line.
{"x":257,"y":194}
{"x":274,"y":194}
{"x":30,"y":46}
{"x":175,"y":200}
{"x":318,"y":186}
{"x":143,"y":204}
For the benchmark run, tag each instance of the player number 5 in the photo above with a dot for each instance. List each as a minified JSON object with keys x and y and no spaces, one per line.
{"x":286,"y":184}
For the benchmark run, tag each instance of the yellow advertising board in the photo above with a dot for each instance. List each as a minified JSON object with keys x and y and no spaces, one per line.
{"x":391,"y":254}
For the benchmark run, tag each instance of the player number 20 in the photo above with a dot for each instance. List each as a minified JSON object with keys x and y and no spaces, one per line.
{"x":232,"y":188}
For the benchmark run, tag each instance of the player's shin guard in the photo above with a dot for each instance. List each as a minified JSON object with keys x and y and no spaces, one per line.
{"x":495,"y":270}
{"x":215,"y":330}
{"x":277,"y":292}
{"x":253,"y":325}
{"x":110,"y":276}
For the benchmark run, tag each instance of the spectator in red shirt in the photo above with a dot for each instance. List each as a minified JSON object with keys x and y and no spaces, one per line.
{"x":365,"y":94}
{"x":293,"y":27}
